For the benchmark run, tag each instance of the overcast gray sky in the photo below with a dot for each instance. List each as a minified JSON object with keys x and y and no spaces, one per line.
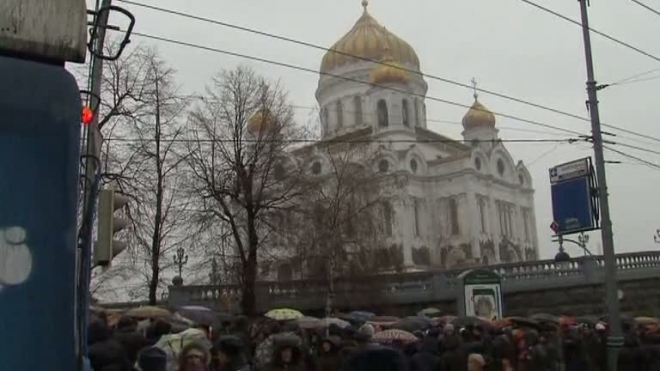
{"x":507,"y":45}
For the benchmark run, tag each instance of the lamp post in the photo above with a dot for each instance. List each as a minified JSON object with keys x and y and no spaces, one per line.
{"x":180,"y":259}
{"x":582,"y":241}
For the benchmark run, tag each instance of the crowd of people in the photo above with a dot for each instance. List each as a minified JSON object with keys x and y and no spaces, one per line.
{"x":440,"y":344}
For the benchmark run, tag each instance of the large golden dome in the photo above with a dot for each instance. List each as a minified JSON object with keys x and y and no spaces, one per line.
{"x":261,"y":122}
{"x":478,"y":116}
{"x":388,"y":71}
{"x":368,"y":39}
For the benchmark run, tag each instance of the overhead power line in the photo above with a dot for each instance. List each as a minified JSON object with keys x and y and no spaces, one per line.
{"x":603,"y":34}
{"x":319,"y":47}
{"x":446,"y":80}
{"x":327,"y":141}
{"x":310,"y":70}
{"x":647,"y":7}
{"x":640,"y":160}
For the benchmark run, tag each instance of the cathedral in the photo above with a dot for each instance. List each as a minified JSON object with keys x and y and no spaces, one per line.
{"x":458,"y":203}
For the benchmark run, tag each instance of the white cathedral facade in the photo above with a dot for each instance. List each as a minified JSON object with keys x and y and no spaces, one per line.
{"x":457,"y":202}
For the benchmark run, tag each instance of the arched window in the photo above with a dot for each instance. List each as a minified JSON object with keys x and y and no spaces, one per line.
{"x":405,"y":113}
{"x":340,"y":115}
{"x":383,"y":118}
{"x":357,"y":102}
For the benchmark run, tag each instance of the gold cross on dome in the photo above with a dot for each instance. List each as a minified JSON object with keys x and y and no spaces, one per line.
{"x":474,"y":87}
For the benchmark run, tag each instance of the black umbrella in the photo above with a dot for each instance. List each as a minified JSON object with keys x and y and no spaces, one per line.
{"x":412,"y":324}
{"x":545,"y":317}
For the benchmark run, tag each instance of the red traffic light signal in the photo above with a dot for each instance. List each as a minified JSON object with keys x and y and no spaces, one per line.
{"x":87,"y":115}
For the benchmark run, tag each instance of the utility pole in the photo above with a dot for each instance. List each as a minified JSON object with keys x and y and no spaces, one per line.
{"x":615,"y":338}
{"x":93,"y":136}
{"x":91,"y":153}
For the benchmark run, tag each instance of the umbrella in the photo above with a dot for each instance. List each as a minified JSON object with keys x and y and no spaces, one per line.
{"x":283,"y":314}
{"x":394,"y":335}
{"x":172,"y":344}
{"x":200,"y":315}
{"x":468,"y":321}
{"x":647,"y":320}
{"x":383,"y":321}
{"x":264,"y":351}
{"x":587,"y":320}
{"x":336,"y":321}
{"x":430,"y":312}
{"x":308,"y":322}
{"x":359,"y":316}
{"x":412,"y":324}
{"x":148,"y":312}
{"x":524,"y":322}
{"x":545,"y":317}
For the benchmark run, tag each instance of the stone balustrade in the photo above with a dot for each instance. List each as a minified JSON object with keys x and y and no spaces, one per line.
{"x":432,"y":286}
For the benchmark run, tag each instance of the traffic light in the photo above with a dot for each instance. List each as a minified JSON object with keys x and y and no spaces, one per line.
{"x":106,"y":247}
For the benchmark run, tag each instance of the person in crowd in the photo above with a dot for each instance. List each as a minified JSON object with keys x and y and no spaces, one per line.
{"x":286,"y":356}
{"x":105,"y":352}
{"x":475,"y":362}
{"x":151,"y":359}
{"x":194,"y":357}
{"x":229,"y":354}
{"x":328,"y":357}
{"x":377,"y":358}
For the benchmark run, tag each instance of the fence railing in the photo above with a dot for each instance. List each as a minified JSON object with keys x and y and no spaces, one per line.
{"x":418,"y":287}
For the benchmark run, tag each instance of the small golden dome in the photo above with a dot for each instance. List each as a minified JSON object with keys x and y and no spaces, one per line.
{"x":368,"y":39}
{"x":389,"y":71}
{"x":261,"y":120}
{"x":478,"y":116}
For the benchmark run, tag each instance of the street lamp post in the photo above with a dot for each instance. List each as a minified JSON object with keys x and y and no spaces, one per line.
{"x":180,"y":259}
{"x":582,"y":241}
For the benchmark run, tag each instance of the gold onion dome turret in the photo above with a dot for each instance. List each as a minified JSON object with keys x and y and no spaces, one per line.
{"x":369,"y":40}
{"x":478,"y":116}
{"x":388,"y":70}
{"x":261,"y":122}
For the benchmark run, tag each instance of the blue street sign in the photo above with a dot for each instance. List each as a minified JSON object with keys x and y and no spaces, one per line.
{"x":572,"y":206}
{"x":39,"y":158}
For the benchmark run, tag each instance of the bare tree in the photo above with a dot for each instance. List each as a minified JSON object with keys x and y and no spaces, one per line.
{"x":144,"y":164}
{"x":236,"y":135}
{"x":342,"y":226}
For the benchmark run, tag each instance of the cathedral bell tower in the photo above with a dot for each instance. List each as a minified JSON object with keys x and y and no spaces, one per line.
{"x":479,"y":124}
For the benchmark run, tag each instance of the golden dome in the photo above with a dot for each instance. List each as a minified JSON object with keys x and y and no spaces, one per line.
{"x":389,"y":71}
{"x":260,"y":121}
{"x":368,"y":39}
{"x":478,"y":116}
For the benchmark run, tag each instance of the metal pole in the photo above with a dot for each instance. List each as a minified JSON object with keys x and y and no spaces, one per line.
{"x":92,"y":153}
{"x":615,"y":339}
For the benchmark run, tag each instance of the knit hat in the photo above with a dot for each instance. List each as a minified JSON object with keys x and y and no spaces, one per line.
{"x":152,"y":359}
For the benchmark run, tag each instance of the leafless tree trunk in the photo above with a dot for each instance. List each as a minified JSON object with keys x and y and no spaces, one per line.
{"x":144,"y":163}
{"x":236,"y":135}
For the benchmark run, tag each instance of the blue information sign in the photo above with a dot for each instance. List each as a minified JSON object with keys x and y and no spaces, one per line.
{"x":39,"y":159}
{"x":572,"y":206}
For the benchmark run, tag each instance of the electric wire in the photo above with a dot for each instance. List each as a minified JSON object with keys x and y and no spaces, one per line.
{"x":319,"y":47}
{"x":355,"y":80}
{"x":629,"y":156}
{"x":647,"y":7}
{"x":327,"y":141}
{"x":315,"y":46}
{"x":611,"y":38}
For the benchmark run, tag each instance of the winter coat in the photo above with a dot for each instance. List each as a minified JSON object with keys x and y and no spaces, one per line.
{"x":329,"y":361}
{"x":377,"y":358}
{"x":279,"y":343}
{"x":427,"y":358}
{"x":454,"y":356}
